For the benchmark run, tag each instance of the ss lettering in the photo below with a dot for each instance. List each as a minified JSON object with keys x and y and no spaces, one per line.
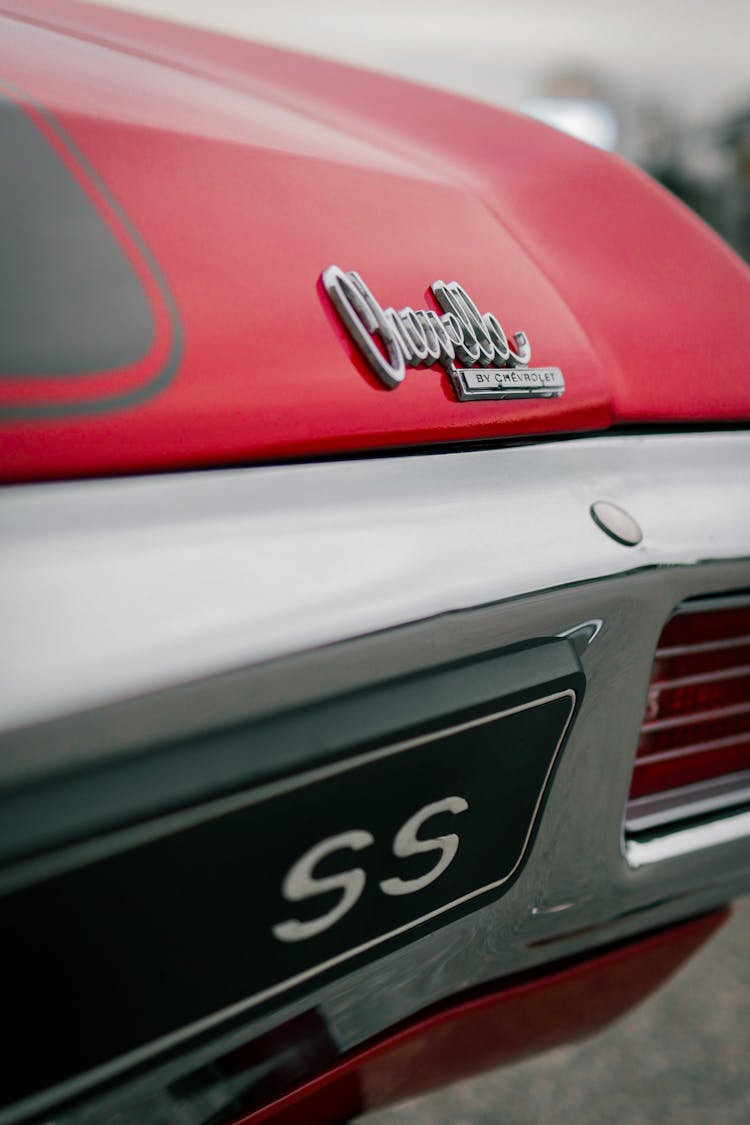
{"x":301,"y":882}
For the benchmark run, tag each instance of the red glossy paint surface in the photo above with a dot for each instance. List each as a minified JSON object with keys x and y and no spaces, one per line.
{"x":495,"y":1029}
{"x":247,"y":170}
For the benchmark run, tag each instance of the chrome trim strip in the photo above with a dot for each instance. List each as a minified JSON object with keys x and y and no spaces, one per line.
{"x":729,"y":711}
{"x":708,"y":605}
{"x":659,"y":809}
{"x":732,"y":672}
{"x":687,"y":841}
{"x":582,"y":635}
{"x":694,"y":748}
{"x":112,"y":588}
{"x":704,"y":646}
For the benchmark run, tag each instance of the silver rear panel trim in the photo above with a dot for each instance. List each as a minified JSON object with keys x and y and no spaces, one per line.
{"x":689,"y":839}
{"x":112,"y":588}
{"x":666,"y":807}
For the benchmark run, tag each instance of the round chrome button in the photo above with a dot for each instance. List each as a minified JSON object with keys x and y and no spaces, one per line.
{"x":616,"y":523}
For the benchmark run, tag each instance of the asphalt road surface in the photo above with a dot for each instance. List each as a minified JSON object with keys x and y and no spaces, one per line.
{"x":681,"y":1058}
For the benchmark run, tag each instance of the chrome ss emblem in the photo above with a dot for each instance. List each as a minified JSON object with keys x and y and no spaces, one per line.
{"x":472,"y":347}
{"x":301,"y":882}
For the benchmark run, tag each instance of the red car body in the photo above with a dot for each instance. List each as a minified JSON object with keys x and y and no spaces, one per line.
{"x":164,"y":312}
{"x":228,"y":161}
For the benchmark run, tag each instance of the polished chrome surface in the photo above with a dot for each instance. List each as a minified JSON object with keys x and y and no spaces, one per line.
{"x":582,"y":635}
{"x":498,"y":382}
{"x":689,"y":839}
{"x":112,"y":588}
{"x":616,"y":522}
{"x":658,"y":809}
{"x":412,"y":337}
{"x":153,"y":608}
{"x":710,"y":605}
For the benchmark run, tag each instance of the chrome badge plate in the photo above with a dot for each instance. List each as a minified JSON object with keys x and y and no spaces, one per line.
{"x":472,"y":347}
{"x":498,"y":382}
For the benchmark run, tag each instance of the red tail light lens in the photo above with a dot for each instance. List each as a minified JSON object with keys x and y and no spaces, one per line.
{"x":696,"y":728}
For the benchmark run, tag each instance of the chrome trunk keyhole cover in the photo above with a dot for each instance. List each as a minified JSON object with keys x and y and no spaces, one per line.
{"x":616,"y":523}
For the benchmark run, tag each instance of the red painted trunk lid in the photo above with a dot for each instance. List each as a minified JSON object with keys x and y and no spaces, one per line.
{"x":214,"y":180}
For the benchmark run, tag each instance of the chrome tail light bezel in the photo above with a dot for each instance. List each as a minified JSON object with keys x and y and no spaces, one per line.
{"x":718,"y":795}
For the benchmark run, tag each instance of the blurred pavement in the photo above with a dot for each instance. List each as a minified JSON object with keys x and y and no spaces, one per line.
{"x":681,"y":1058}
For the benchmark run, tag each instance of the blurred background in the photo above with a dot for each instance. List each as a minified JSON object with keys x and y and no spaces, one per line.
{"x":666,"y":83}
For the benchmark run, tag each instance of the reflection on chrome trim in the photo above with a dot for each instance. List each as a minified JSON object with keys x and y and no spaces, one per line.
{"x":112,"y":588}
{"x":657,"y":809}
{"x":708,"y":605}
{"x":685,"y":841}
{"x":582,"y":635}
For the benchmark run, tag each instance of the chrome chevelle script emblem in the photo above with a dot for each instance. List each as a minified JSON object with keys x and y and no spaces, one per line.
{"x":471,"y":346}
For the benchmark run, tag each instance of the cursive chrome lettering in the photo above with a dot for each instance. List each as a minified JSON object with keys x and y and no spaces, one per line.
{"x":410,"y":337}
{"x":459,"y":337}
